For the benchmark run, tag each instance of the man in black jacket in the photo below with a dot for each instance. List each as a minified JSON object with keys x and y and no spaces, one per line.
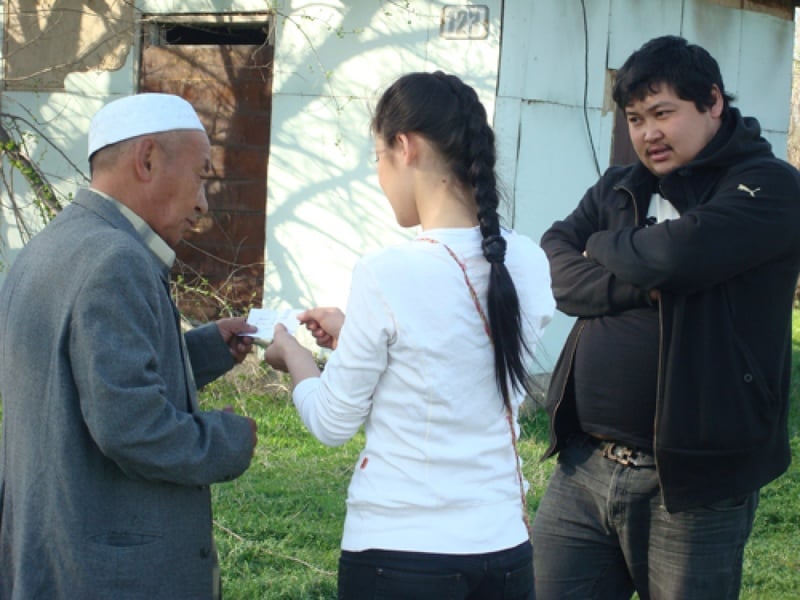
{"x":669,"y":402}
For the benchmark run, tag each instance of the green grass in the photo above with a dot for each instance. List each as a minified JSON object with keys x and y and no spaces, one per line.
{"x":772,"y":557}
{"x":278,"y":526}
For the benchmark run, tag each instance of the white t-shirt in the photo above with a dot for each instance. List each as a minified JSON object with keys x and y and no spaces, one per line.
{"x":414,"y":365}
{"x":661,"y":209}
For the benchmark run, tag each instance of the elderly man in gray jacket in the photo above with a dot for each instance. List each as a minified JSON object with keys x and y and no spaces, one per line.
{"x":105,"y":458}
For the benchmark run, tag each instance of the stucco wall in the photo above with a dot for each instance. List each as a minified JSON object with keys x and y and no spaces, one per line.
{"x":545,"y":71}
{"x":332,"y":59}
{"x":325,"y":208}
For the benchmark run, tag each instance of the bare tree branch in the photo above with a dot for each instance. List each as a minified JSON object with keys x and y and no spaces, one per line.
{"x":42,"y":190}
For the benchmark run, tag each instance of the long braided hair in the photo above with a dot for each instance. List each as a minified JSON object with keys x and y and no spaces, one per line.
{"x":449,"y":114}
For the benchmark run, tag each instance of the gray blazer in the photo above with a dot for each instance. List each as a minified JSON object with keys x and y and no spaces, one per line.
{"x":105,"y":461}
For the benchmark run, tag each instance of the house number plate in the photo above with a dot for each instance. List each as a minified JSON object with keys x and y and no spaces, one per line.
{"x":469,"y":22}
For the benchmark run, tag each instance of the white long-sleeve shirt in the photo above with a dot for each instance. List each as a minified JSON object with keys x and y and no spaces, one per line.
{"x":414,"y":365}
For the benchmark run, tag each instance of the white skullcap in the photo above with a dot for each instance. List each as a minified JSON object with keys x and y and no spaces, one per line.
{"x":140,"y":114}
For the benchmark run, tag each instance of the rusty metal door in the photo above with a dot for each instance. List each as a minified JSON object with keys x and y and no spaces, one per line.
{"x":225,"y":72}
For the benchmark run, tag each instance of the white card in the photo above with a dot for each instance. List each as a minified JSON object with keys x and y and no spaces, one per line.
{"x":265,"y":320}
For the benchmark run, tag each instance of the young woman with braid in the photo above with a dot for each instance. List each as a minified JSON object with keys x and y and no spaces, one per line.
{"x":432,"y":360}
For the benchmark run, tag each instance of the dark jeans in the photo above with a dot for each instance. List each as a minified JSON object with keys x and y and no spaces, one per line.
{"x":391,"y":575}
{"x":602,"y":532}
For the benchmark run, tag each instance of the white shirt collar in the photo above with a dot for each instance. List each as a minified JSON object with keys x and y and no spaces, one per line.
{"x":150,"y":238}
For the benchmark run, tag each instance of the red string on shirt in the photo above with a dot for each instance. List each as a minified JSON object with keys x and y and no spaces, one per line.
{"x":509,"y":417}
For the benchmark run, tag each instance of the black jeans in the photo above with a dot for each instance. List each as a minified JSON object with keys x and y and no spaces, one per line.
{"x":601,"y":532}
{"x":393,"y":575}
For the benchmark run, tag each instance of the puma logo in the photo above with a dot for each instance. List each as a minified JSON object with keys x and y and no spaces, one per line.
{"x":744,"y":188}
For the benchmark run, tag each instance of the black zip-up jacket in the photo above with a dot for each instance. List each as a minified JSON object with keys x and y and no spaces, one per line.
{"x":726,"y":271}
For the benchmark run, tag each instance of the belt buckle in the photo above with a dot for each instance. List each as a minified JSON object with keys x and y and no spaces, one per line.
{"x":620,"y":454}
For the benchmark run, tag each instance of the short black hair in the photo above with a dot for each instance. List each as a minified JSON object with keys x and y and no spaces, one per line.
{"x":670,"y":60}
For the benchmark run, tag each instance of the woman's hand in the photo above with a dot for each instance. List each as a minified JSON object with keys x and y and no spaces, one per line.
{"x":282,"y":344}
{"x":324,"y":323}
{"x":286,"y":354}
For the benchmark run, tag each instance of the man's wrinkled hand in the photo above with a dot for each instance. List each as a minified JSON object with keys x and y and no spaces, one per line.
{"x":231,"y":330}
{"x":251,"y":422}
